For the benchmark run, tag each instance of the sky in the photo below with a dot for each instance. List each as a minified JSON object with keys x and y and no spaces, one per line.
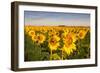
{"x":38,"y":18}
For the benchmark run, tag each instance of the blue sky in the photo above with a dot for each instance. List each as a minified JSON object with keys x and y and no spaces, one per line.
{"x":56,"y":18}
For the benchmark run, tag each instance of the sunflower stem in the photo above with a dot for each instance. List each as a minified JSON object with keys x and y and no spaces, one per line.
{"x":62,"y":54}
{"x":50,"y":54}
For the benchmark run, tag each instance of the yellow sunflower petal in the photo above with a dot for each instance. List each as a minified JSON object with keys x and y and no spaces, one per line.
{"x":40,"y":38}
{"x":69,"y":48}
{"x":82,"y":34}
{"x":31,"y":33}
{"x":53,"y":42}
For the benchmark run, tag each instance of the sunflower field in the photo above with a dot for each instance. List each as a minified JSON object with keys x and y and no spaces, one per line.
{"x":56,"y":43}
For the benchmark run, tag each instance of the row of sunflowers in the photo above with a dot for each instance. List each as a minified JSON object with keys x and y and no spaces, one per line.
{"x":56,"y":42}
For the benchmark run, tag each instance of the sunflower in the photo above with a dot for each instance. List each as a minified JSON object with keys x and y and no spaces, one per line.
{"x":40,"y":38}
{"x":69,"y":37}
{"x":52,"y":33}
{"x":31,"y":33}
{"x":53,"y":42}
{"x":69,"y":40}
{"x":34,"y":38}
{"x":27,"y":29}
{"x":44,"y":30}
{"x":68,"y":49}
{"x":82,"y":34}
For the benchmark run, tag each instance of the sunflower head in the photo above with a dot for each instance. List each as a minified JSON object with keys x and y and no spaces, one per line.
{"x":40,"y":38}
{"x":27,"y":29}
{"x":69,"y":38}
{"x":82,"y":34}
{"x":34,"y":38}
{"x":44,"y":30}
{"x":68,"y":49}
{"x":31,"y":33}
{"x":53,"y":42}
{"x":52,"y":33}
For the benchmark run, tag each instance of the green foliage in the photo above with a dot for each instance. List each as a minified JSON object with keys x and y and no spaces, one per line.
{"x":55,"y":57}
{"x":34,"y":52}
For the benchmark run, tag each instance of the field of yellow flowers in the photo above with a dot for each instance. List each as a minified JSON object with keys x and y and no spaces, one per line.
{"x":56,"y":42}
